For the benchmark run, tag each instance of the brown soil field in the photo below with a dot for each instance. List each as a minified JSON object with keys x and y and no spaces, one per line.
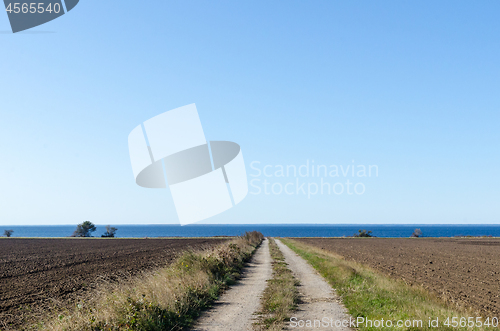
{"x":36,"y":274}
{"x":463,"y":271}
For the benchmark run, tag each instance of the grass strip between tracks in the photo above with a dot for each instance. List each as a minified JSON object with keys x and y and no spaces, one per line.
{"x":167,"y":299}
{"x":373,"y":296}
{"x":281,"y":296}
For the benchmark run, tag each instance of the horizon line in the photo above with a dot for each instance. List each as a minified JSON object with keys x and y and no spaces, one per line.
{"x":256,"y":224}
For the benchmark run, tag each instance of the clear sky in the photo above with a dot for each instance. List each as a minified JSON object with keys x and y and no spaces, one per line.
{"x":409,"y":86}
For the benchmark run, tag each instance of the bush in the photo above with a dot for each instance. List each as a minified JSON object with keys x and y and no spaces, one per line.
{"x":8,"y":233}
{"x":110,"y":232}
{"x":254,"y":237}
{"x":84,"y":230}
{"x":416,"y":233}
{"x":363,"y":233}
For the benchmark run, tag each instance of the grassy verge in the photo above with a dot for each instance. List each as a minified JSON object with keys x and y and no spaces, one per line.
{"x":167,"y":299}
{"x":370,"y":295}
{"x":281,"y":296}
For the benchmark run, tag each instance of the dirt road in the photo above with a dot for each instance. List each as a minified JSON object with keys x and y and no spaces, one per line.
{"x":234,"y":311}
{"x":319,"y":301}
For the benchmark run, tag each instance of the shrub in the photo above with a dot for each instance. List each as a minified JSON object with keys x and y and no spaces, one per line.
{"x":363,"y":233}
{"x":416,"y":233}
{"x":8,"y":233}
{"x":84,"y":230}
{"x":254,"y":237}
{"x":110,"y":232}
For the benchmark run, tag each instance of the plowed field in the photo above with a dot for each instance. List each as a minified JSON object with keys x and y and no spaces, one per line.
{"x":40,"y":273}
{"x":462,"y":271}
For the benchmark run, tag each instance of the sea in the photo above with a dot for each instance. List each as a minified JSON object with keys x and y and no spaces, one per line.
{"x":274,"y":230}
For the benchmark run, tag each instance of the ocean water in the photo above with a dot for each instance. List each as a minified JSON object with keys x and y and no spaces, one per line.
{"x":275,"y":230}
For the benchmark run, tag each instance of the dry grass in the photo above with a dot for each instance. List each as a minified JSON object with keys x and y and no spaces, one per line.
{"x":167,"y":299}
{"x":372,"y":295}
{"x":281,"y":296}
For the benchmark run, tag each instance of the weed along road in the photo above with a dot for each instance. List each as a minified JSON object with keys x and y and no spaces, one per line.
{"x":319,"y":303}
{"x":235,"y":309}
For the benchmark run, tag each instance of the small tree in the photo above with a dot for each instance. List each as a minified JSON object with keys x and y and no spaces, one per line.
{"x":110,"y":232}
{"x":8,"y":233}
{"x":416,"y":233}
{"x":84,"y":230}
{"x":363,"y":233}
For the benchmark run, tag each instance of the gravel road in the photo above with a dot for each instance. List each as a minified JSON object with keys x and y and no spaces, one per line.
{"x":234,"y":311}
{"x":319,"y":300}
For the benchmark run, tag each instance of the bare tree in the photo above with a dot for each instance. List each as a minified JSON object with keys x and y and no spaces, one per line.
{"x":110,"y":232}
{"x":8,"y":233}
{"x":416,"y":233}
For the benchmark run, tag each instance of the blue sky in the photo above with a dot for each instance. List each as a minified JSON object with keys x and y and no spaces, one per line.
{"x":411,"y":87}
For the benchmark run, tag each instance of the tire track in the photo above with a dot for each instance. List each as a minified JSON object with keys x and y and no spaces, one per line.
{"x":318,"y":298}
{"x":234,"y":311}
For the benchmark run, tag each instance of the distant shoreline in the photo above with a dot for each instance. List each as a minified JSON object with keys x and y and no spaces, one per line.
{"x":270,"y":230}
